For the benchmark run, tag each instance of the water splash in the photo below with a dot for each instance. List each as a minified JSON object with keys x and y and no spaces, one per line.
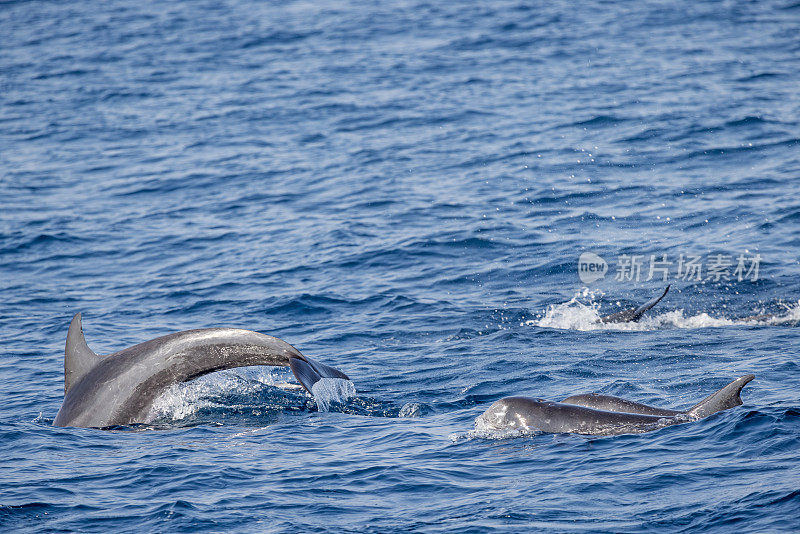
{"x":184,"y":400}
{"x":411,"y":409}
{"x":181,"y":401}
{"x":577,"y":315}
{"x":571,"y":315}
{"x":332,"y":390}
{"x":492,"y":434}
{"x":790,"y":316}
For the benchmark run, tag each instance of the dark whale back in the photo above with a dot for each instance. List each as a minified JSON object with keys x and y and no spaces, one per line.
{"x":600,"y":414}
{"x":119,"y":389}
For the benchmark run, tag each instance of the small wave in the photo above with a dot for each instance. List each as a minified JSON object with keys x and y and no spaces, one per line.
{"x":600,"y":120}
{"x":492,"y":434}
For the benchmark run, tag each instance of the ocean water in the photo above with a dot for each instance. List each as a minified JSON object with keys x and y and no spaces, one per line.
{"x":403,"y":190}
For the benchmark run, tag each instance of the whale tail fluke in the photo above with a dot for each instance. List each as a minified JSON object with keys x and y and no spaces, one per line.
{"x":725,"y":398}
{"x":79,"y":359}
{"x":308,"y":372}
{"x":634,"y":314}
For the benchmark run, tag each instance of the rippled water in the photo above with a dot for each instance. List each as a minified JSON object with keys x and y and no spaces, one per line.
{"x":401,"y":190}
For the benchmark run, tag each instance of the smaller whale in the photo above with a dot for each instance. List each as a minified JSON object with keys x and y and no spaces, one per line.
{"x":633,"y":314}
{"x":761,"y":317}
{"x":599,"y":414}
{"x":119,"y":389}
{"x":773,"y":318}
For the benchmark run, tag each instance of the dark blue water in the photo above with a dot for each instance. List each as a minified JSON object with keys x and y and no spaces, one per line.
{"x":402,"y":190}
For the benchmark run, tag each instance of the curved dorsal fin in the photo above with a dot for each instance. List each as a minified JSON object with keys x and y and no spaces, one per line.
{"x":727,"y":397}
{"x":638,"y":312}
{"x":78,"y":357}
{"x":631,"y":315}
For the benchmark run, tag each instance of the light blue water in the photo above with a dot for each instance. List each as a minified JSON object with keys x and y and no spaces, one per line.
{"x":401,"y":190}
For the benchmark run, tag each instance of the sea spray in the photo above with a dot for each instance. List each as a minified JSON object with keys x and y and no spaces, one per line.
{"x":332,"y":390}
{"x":582,"y":312}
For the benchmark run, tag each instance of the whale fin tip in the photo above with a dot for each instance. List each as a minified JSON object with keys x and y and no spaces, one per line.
{"x":637,"y":314}
{"x":632,"y":315}
{"x":308,"y":372}
{"x":725,"y":398}
{"x":79,"y":359}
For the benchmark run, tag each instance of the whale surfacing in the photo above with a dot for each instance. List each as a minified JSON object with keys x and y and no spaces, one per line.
{"x":599,"y":414}
{"x":119,"y":389}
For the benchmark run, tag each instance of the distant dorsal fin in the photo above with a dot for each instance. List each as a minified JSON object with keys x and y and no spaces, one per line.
{"x":632,"y":315}
{"x":638,"y":312}
{"x":78,"y":357}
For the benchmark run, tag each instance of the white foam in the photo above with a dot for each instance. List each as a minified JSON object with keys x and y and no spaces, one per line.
{"x":330,"y":390}
{"x":411,"y":409}
{"x":570,"y":315}
{"x":792,"y":314}
{"x":493,"y":434}
{"x":577,"y":315}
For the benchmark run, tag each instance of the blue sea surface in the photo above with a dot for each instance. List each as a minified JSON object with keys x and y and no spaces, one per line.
{"x":402,"y":190}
